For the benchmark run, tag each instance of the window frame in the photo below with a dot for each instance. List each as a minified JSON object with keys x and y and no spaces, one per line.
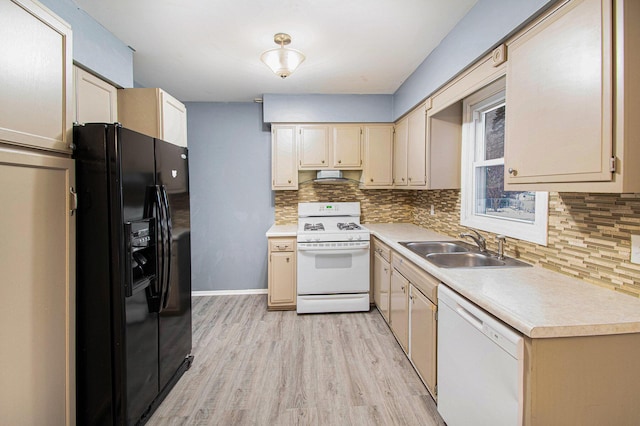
{"x":487,"y":99}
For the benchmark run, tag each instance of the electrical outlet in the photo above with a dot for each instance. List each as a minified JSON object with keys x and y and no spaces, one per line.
{"x":433,"y":210}
{"x":635,"y":248}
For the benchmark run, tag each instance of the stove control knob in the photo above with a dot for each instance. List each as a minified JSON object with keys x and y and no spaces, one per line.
{"x":350,"y":238}
{"x":358,"y":237}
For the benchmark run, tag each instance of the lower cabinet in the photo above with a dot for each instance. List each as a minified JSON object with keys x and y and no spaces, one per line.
{"x":399,"y":309}
{"x":410,"y":309}
{"x":282,"y":274}
{"x":381,"y":277}
{"x":422,"y":337}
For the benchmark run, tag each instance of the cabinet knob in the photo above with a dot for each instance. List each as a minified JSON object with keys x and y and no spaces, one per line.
{"x":339,"y":161}
{"x":287,"y":260}
{"x":322,"y":161}
{"x":385,"y":269}
{"x":513,"y":172}
{"x":371,"y":179}
{"x":409,"y":179}
{"x":403,"y":179}
{"x":289,"y":181}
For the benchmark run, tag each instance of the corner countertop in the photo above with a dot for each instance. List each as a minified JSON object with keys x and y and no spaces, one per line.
{"x":535,"y":301}
{"x":282,"y":231}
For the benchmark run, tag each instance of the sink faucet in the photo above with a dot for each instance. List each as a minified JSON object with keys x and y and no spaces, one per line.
{"x":477,"y":238}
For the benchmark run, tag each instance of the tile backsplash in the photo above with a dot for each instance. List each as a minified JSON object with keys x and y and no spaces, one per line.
{"x":377,"y":206}
{"x":589,"y":234}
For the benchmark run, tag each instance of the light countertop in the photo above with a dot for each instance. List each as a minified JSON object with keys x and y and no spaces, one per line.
{"x":535,"y":301}
{"x":282,"y":231}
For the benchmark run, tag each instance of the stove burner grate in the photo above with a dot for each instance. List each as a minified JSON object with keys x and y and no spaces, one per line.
{"x":348,"y":226}
{"x":313,"y":227}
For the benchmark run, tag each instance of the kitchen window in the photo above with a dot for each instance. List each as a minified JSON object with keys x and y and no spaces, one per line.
{"x":485,"y":204}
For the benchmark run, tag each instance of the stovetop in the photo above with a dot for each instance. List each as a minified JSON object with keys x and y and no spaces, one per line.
{"x":330,"y":222}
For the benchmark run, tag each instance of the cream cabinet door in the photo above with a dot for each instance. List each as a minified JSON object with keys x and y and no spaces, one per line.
{"x":400,"y":145}
{"x":36,"y":107}
{"x":399,"y":309}
{"x":153,"y":112}
{"x":381,"y":284}
{"x":282,"y":279}
{"x":313,"y":147}
{"x":378,"y":156}
{"x":284,"y":168}
{"x":174,"y":120}
{"x":347,"y":147}
{"x":416,"y":148}
{"x":423,"y":337}
{"x":96,"y":100}
{"x":559,"y":97}
{"x":37,"y":260}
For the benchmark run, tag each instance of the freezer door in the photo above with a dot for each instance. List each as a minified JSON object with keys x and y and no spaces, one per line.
{"x":137,"y":172}
{"x":172,"y":175}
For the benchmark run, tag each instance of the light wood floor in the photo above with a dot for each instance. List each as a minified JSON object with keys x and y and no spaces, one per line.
{"x":254,"y":367}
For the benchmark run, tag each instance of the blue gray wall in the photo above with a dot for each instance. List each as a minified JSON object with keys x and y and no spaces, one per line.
{"x":487,"y":24}
{"x":94,"y":47}
{"x":231,"y":197}
{"x":327,"y":108}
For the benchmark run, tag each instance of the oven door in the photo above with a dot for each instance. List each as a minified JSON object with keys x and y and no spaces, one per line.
{"x":333,"y":267}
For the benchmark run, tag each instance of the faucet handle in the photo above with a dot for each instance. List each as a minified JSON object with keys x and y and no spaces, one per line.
{"x":501,"y":240}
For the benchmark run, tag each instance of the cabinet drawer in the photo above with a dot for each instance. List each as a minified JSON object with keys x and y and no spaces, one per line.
{"x":382,"y":249}
{"x":282,"y":245}
{"x":427,"y":284}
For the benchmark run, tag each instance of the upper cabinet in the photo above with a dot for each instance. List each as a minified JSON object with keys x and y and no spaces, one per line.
{"x":400,"y":144}
{"x":573,"y":98}
{"x":409,"y":151}
{"x":346,"y":144}
{"x":154,"y":112}
{"x":313,"y":145}
{"x":284,"y":167}
{"x":36,"y":107}
{"x":378,"y":156}
{"x":96,"y":101}
{"x":426,"y":152}
{"x":330,"y":147}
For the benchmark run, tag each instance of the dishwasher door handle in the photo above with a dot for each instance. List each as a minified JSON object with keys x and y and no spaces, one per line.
{"x":470,"y":318}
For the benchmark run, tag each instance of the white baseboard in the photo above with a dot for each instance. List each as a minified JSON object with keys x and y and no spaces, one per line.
{"x":228,"y":292}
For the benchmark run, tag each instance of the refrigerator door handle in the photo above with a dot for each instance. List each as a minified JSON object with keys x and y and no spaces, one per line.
{"x":162,"y":225}
{"x":168,"y":252}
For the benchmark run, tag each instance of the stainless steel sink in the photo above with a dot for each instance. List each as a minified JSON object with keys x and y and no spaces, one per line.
{"x":458,"y":254}
{"x":424,"y":248}
{"x":471,"y":260}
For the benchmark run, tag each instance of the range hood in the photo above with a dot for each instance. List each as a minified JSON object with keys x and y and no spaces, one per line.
{"x":330,"y":176}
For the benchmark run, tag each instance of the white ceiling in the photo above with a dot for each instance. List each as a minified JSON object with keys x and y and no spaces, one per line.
{"x":208,"y":50}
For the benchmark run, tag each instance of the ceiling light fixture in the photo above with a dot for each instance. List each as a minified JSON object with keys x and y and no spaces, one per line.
{"x":282,"y":61}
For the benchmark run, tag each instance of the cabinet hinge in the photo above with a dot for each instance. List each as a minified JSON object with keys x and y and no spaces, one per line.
{"x":612,"y":164}
{"x":73,"y":201}
{"x":436,"y":315}
{"x":435,"y":390}
{"x":361,"y":130}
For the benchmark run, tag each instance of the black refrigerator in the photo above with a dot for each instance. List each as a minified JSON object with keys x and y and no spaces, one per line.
{"x":133,"y":332}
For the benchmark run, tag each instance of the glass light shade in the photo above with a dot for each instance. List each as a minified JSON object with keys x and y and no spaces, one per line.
{"x":282,"y":61}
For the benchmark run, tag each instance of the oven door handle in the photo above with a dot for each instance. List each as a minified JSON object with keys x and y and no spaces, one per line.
{"x":332,"y":250}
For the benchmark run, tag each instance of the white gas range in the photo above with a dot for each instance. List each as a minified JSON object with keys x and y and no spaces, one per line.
{"x":333,"y":258}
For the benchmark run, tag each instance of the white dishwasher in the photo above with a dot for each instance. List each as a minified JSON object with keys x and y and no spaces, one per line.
{"x":479,"y":365}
